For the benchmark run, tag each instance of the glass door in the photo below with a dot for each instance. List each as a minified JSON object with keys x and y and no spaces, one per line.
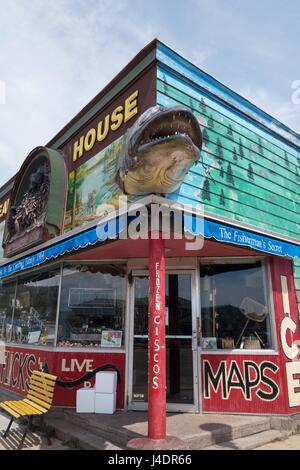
{"x":181,"y":343}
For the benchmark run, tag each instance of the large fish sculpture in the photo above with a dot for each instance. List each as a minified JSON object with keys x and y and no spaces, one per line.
{"x":159,"y":150}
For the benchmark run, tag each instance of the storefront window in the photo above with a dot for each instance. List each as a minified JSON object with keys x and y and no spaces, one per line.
{"x":235,"y":309}
{"x":35,"y":309}
{"x":92,"y":307}
{"x":7,"y":296}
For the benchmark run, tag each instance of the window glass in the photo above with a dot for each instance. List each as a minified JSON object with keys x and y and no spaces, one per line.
{"x":92,"y":307}
{"x":36,"y":307}
{"x":7,"y":296}
{"x":235,"y":309}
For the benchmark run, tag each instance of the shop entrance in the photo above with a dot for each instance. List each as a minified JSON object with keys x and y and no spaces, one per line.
{"x":181,"y":342}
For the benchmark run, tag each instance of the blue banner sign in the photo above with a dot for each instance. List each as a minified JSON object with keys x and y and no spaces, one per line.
{"x":221,"y":233}
{"x":224,"y":233}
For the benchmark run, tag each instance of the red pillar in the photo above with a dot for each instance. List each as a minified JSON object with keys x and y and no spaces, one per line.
{"x":157,"y":439}
{"x":157,"y":341}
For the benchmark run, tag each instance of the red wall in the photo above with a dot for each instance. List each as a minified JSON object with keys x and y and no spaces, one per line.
{"x":241,"y":383}
{"x":258,"y":383}
{"x":68,"y":366}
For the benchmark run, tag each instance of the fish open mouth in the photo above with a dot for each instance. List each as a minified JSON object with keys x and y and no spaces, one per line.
{"x":175,"y":124}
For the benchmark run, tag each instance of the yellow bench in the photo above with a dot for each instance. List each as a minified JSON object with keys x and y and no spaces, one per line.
{"x":37,"y":402}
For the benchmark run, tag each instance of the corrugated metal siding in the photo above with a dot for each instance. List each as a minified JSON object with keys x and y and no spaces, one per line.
{"x":251,"y":178}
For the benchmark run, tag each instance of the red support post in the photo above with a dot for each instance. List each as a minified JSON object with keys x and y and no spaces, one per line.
{"x":157,"y":340}
{"x":157,"y":438}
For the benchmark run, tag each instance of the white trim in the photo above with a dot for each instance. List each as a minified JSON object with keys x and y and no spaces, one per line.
{"x":240,"y":352}
{"x":89,"y":350}
{"x":230,"y":259}
{"x":58,"y":305}
{"x":269,"y":297}
{"x":171,"y":407}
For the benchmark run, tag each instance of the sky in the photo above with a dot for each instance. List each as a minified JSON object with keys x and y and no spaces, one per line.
{"x":56,"y":56}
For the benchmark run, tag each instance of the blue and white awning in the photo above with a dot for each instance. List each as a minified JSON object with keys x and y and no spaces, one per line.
{"x":103,"y":232}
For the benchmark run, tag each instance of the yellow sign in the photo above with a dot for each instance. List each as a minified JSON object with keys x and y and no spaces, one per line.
{"x":112,"y":122}
{"x":4,"y":208}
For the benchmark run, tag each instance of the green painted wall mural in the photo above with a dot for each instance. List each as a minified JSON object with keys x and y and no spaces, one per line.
{"x":248,"y":178}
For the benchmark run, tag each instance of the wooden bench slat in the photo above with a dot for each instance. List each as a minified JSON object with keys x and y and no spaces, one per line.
{"x":37,"y":400}
{"x":14,"y":407}
{"x":35,"y":405}
{"x":42,"y":385}
{"x":40,"y":396}
{"x":22,"y":409}
{"x":43,"y":380}
{"x":44,"y":374}
{"x":9,"y":410}
{"x":29,"y":407}
{"x":40,"y":391}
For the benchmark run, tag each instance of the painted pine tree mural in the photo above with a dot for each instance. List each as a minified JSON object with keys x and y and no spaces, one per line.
{"x":250,"y":172}
{"x":219,"y":150}
{"x":241,"y":149}
{"x":205,"y":137}
{"x":251,"y":177}
{"x":229,"y":175}
{"x":210,"y":122}
{"x":222,"y":198}
{"x":206,"y":190}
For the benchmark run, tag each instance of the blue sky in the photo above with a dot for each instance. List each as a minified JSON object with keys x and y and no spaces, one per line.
{"x":55,"y":56}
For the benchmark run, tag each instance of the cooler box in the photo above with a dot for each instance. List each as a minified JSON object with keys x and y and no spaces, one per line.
{"x":105,"y":403}
{"x":106,"y":382}
{"x":85,"y":400}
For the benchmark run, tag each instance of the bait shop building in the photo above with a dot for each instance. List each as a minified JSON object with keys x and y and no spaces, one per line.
{"x":203,"y":319}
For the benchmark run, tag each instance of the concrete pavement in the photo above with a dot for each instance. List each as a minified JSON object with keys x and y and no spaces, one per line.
{"x":291,"y":443}
{"x":33,"y":441}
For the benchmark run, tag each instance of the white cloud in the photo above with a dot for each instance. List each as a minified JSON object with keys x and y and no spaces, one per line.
{"x":55,"y":56}
{"x":200,"y":56}
{"x":283,"y":110}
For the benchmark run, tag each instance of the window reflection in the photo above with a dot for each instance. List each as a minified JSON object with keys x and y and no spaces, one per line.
{"x":235,"y":310}
{"x":7,"y":296}
{"x":35,"y":308}
{"x":92,"y":306}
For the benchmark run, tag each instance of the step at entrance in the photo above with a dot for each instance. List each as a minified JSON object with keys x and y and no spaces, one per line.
{"x":198,"y":431}
{"x":250,"y":442}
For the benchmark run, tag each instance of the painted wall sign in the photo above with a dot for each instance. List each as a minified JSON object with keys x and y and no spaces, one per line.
{"x":239,"y":383}
{"x":254,"y":383}
{"x":4,"y":208}
{"x":250,"y":378}
{"x":112,"y":122}
{"x":157,"y":340}
{"x":72,"y":373}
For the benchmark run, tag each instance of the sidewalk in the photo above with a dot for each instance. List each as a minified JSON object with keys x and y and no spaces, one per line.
{"x":33,"y":441}
{"x":291,"y":443}
{"x":112,"y":432}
